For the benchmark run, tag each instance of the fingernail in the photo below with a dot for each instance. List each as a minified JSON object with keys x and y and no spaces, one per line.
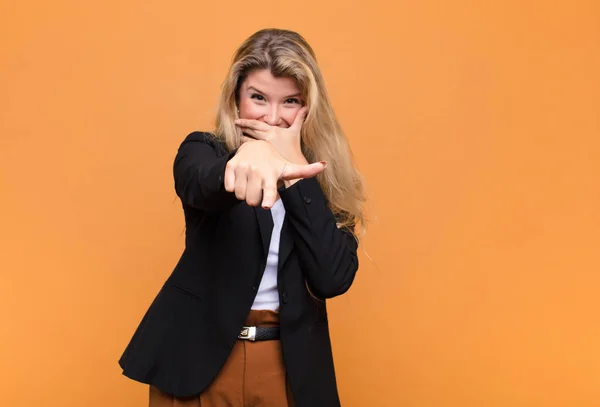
{"x":324,"y":163}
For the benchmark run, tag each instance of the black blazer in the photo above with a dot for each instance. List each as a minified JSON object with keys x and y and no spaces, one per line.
{"x":191,"y":326}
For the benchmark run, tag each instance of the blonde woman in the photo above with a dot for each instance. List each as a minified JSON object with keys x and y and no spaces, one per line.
{"x":271,"y":202}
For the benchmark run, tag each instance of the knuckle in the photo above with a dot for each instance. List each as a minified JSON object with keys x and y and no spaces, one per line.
{"x":232,"y":165}
{"x":265,"y":174}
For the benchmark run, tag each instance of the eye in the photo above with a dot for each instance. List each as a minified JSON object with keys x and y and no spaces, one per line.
{"x":292,"y":100}
{"x":257,"y":96}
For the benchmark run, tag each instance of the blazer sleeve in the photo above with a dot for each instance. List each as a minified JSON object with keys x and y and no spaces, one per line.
{"x":327,"y":253}
{"x":198,"y":171}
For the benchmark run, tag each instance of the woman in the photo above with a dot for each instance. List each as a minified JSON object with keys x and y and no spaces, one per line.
{"x":271,"y":202}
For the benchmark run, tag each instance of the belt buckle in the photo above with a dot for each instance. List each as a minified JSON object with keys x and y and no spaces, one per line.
{"x":248,"y":333}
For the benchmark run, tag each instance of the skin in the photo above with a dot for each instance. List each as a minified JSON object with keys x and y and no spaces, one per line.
{"x":271,"y":116}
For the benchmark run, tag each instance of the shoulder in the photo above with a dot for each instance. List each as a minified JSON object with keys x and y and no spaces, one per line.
{"x":203,"y":137}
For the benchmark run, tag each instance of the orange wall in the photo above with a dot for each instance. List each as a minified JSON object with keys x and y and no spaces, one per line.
{"x":476,"y":125}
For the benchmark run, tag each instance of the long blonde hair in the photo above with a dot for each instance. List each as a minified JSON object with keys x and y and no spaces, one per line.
{"x":286,"y":54}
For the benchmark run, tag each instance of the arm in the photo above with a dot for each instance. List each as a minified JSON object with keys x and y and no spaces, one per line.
{"x":328,"y":254}
{"x":198,"y":171}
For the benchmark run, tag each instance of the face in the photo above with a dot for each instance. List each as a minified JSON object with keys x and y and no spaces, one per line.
{"x":263,"y":97}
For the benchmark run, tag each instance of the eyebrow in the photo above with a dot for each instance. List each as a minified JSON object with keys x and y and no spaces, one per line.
{"x":262,"y":93}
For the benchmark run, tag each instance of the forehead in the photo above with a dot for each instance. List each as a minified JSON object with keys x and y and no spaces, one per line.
{"x":264,"y":81}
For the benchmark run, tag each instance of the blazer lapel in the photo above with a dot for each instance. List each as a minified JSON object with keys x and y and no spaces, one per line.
{"x":265,"y":225}
{"x":286,"y":243}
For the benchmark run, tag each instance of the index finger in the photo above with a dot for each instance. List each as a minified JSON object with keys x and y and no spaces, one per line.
{"x":269,"y":193}
{"x":252,"y":124}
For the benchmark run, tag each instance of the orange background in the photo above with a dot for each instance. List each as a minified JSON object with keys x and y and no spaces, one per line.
{"x":476,"y":125}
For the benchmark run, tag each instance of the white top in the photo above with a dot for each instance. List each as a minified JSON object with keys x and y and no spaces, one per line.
{"x":267,"y":297}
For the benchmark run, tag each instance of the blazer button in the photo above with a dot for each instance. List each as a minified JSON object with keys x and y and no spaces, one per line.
{"x":307,"y":199}
{"x":284,"y":297}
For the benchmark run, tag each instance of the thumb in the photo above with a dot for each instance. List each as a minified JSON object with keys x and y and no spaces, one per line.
{"x":295,"y":171}
{"x":300,"y":118}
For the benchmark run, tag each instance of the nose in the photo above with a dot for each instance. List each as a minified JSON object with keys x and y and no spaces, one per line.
{"x":272,"y":117}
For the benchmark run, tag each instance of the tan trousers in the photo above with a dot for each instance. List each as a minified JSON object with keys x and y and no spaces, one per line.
{"x":253,"y":375}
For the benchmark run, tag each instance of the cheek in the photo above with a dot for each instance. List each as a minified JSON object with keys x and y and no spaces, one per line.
{"x":249,"y":110}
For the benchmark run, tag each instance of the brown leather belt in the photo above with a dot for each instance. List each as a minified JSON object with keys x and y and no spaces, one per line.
{"x":259,"y":333}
